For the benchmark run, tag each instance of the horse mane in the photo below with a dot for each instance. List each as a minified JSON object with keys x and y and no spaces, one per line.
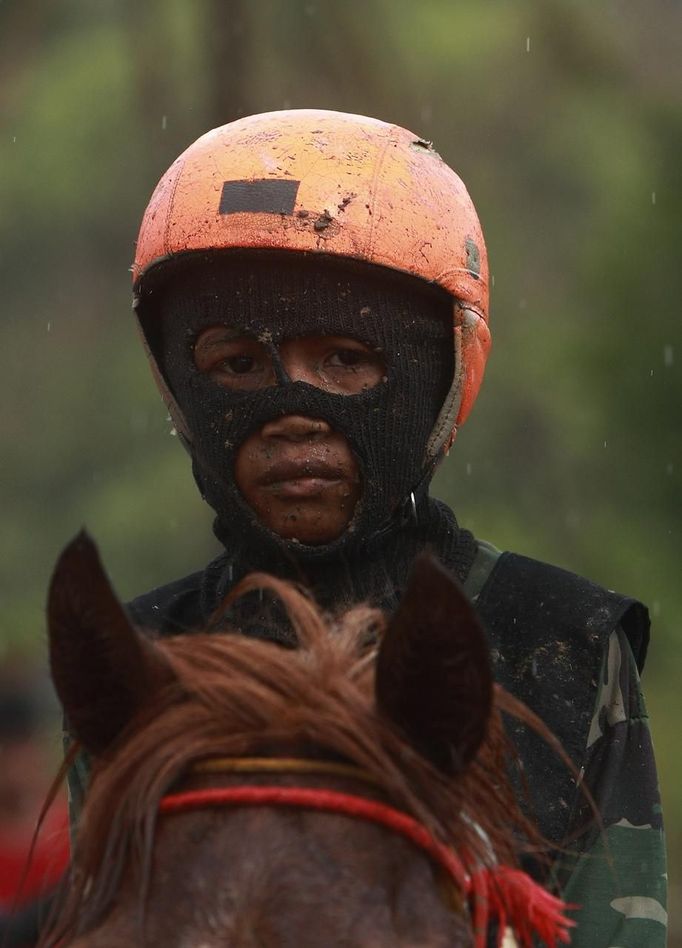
{"x":234,"y":696}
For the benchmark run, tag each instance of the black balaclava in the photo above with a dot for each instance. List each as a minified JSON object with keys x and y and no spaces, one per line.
{"x":279,"y":296}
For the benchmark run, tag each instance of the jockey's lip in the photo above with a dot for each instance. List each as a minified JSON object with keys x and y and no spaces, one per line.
{"x":300,"y":477}
{"x":301,"y":468}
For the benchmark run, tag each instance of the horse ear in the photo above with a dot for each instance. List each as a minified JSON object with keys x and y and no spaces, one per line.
{"x":433,"y":674}
{"x":104,"y":671}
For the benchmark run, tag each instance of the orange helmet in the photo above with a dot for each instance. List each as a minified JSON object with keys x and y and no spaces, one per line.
{"x":326,"y":182}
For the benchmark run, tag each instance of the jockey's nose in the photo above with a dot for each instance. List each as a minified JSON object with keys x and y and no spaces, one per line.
{"x":296,"y":428}
{"x":298,"y":365}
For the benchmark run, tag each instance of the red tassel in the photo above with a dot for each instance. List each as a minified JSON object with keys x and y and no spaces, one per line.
{"x":517,"y":902}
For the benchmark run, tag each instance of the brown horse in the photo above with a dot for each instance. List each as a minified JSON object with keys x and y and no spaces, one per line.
{"x":248,"y":795}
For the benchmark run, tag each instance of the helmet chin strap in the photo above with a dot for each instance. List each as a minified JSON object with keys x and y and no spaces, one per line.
{"x":406,"y":513}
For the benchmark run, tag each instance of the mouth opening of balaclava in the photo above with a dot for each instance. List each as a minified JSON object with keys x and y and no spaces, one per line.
{"x":281,"y":296}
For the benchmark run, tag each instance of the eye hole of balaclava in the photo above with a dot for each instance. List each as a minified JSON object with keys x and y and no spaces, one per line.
{"x":274,"y":297}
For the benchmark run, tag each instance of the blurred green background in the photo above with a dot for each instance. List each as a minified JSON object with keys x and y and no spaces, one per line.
{"x":565,"y":120}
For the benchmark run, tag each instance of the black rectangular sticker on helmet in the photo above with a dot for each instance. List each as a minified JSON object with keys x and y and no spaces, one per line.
{"x":263,"y":196}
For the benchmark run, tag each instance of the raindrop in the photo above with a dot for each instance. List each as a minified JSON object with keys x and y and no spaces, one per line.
{"x":653,"y":197}
{"x":523,"y":303}
{"x":310,"y":9}
{"x":164,"y":122}
{"x":604,"y":443}
{"x":669,"y":468}
{"x":469,"y":468}
{"x":668,"y":355}
{"x":528,"y":44}
{"x":656,"y":608}
{"x":492,"y":279}
{"x":49,"y":326}
{"x":14,"y":139}
{"x":651,"y":373}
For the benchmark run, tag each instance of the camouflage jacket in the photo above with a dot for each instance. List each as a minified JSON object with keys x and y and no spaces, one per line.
{"x":573,"y":652}
{"x":583,"y":679}
{"x":618,"y":876}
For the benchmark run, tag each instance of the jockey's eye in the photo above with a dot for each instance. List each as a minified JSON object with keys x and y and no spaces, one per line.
{"x":232,"y":360}
{"x":348,"y":358}
{"x":239,"y":364}
{"x":339,"y":364}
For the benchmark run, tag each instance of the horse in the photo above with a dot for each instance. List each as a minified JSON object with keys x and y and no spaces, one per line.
{"x":350,"y":791}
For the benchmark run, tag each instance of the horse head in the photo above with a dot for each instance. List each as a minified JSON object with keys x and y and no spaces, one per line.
{"x":244,"y":794}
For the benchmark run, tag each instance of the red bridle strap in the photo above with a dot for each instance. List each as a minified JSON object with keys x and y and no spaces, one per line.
{"x":329,"y":801}
{"x":501,"y":892}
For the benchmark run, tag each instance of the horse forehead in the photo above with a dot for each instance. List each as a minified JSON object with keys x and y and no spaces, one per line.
{"x":349,"y":883}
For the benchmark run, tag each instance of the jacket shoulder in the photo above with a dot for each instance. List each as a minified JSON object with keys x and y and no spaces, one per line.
{"x":538,"y":600}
